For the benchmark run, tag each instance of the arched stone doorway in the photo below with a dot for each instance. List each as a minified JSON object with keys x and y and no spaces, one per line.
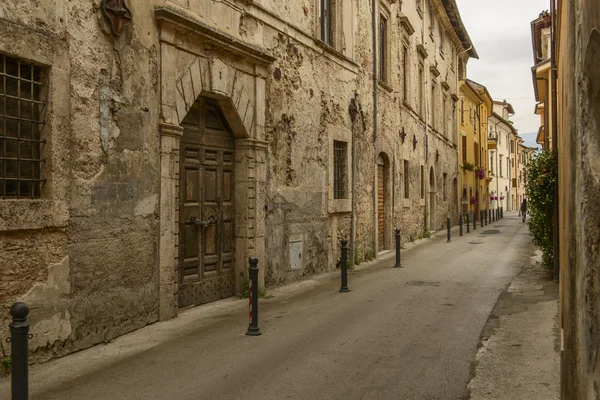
{"x":432,"y":205}
{"x":206,"y":206}
{"x":229,"y":78}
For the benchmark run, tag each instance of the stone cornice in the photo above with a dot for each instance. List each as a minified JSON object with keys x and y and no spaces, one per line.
{"x":406,"y":25}
{"x":187,"y":20}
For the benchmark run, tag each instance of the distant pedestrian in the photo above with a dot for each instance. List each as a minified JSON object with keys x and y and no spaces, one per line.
{"x":524,"y":209}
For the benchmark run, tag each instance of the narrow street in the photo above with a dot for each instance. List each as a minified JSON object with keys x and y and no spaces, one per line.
{"x":409,"y":333}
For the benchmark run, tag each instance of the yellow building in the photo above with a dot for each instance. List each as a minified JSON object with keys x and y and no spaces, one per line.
{"x":542,"y":82}
{"x":475,"y":106}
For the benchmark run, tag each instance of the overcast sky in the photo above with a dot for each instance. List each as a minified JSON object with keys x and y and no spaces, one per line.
{"x":501,"y":33}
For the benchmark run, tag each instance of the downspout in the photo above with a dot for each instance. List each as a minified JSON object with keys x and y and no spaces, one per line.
{"x":375,"y":127}
{"x":355,"y":111}
{"x":553,"y":77}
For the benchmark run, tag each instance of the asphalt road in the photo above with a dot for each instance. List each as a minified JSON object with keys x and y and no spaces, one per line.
{"x":409,"y":333}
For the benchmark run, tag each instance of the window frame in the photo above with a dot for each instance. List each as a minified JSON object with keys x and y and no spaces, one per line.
{"x":405,"y":78}
{"x":340,"y":170}
{"x":326,"y":32}
{"x":406,"y":179}
{"x":383,"y":45}
{"x":22,"y":128}
{"x":421,"y":88}
{"x":343,"y":135}
{"x":51,"y":210}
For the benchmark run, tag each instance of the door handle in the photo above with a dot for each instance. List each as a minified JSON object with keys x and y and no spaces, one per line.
{"x":198,"y":222}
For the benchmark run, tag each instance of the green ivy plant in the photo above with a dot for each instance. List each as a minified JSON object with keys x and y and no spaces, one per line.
{"x":468,"y":166}
{"x":542,"y":174}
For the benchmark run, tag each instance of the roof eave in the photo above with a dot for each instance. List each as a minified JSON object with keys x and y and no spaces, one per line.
{"x":459,"y":27}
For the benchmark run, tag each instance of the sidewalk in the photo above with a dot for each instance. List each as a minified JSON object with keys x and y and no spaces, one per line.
{"x":519,"y":357}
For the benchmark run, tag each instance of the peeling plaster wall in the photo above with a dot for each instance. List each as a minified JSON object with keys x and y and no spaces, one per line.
{"x":88,"y":250}
{"x":88,"y":269}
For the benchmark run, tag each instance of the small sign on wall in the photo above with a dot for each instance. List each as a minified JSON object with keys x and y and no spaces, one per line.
{"x":296,"y":247}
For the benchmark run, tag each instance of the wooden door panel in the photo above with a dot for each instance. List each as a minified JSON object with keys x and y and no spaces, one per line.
{"x":207,"y":237}
{"x":380,"y":208}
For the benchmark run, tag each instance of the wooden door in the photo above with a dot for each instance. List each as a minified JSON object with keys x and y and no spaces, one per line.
{"x":380,"y":207}
{"x":206,"y":241}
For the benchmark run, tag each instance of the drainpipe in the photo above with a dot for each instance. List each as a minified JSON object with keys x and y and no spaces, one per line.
{"x":354,"y":110}
{"x":394,"y":184}
{"x":375,"y":127}
{"x":553,"y":77}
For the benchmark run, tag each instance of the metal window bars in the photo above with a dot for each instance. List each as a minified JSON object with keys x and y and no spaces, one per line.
{"x":22,"y":89}
{"x":339,"y":170}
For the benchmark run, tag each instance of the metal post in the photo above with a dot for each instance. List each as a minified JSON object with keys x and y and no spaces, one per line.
{"x":460,"y":222}
{"x":497,"y":214}
{"x":481,"y":218}
{"x":493,"y":216}
{"x":501,"y":212}
{"x":490,"y":216}
{"x":448,"y":227}
{"x":468,"y":222}
{"x":398,"y":265}
{"x":474,"y":221}
{"x":253,"y":299}
{"x":344,"y":287}
{"x":19,"y":335}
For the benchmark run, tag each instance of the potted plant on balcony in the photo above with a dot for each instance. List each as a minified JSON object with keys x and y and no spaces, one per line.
{"x":468,"y":166}
{"x":480,"y":172}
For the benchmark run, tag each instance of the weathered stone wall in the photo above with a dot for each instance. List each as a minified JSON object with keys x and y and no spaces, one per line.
{"x":88,"y":268}
{"x":579,"y":174}
{"x":87,"y":255}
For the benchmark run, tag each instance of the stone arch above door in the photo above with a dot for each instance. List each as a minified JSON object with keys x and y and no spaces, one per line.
{"x":212,"y":78}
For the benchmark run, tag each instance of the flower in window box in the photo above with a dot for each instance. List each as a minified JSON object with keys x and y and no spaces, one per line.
{"x":473,"y":200}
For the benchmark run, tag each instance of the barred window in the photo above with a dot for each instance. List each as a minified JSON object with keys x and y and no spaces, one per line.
{"x":339,"y":169}
{"x":22,"y":106}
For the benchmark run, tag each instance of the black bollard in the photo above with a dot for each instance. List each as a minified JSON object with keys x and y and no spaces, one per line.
{"x":481,"y":218}
{"x":19,"y":336}
{"x":448,"y":226}
{"x":253,"y":299}
{"x":398,"y":265}
{"x":474,"y":221}
{"x":497,"y":214}
{"x":490,"y":216}
{"x":493,"y":216}
{"x":485,"y":212}
{"x":468,"y":222}
{"x":460,"y":222}
{"x":501,"y":212}
{"x":344,"y":287}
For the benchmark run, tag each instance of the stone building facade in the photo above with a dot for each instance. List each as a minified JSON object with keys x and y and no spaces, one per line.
{"x":153,"y":146}
{"x":576,"y":28}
